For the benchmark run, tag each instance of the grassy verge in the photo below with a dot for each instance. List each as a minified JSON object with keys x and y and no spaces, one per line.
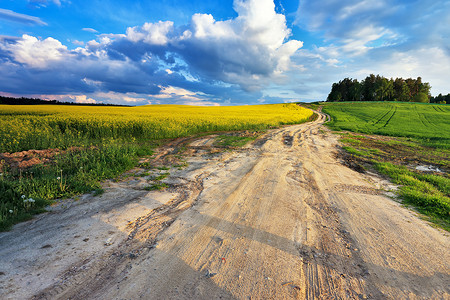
{"x":156,"y":187}
{"x":397,"y":158}
{"x":312,"y":105}
{"x":24,"y":193}
{"x":429,"y":193}
{"x":236,"y":140}
{"x":395,"y":138}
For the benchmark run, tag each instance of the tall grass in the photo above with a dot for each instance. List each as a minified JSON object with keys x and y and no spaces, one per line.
{"x":74,"y":172}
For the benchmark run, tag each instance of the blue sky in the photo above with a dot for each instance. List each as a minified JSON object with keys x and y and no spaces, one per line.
{"x":216,"y":52}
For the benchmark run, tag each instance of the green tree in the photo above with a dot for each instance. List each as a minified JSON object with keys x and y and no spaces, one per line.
{"x":437,"y":99}
{"x":379,"y":88}
{"x":401,"y":90}
{"x":368,"y":88}
{"x":334,"y":95}
{"x":384,"y":89}
{"x":354,"y":91}
{"x":421,"y":97}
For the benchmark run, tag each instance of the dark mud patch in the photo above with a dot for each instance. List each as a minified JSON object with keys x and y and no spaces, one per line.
{"x":351,"y":161}
{"x":288,"y":140}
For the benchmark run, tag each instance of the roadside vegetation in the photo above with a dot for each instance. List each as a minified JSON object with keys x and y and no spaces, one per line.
{"x":407,"y":142}
{"x":50,"y":151}
{"x":231,"y":141}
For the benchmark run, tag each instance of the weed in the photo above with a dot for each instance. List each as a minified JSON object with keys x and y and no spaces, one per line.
{"x":143,"y":174}
{"x":163,"y":168}
{"x":98,"y":192}
{"x":232,"y":141}
{"x":160,"y":177}
{"x":156,"y":187}
{"x":181,"y":165}
{"x":145,"y":165}
{"x":350,"y":141}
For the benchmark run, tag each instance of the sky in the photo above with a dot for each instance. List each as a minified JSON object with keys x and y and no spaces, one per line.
{"x":216,"y":52}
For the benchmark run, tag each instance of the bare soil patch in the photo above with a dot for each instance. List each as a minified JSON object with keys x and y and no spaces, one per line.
{"x":26,"y":159}
{"x":400,"y":151}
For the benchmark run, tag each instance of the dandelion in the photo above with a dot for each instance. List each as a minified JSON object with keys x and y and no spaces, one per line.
{"x":58,"y":178}
{"x":11,"y":211}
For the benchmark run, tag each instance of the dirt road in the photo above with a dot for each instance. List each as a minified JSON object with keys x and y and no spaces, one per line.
{"x":281,"y":218}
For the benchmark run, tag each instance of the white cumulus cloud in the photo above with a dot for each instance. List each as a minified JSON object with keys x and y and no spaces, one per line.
{"x":151,"y":33}
{"x":36,"y":53}
{"x":246,"y":50}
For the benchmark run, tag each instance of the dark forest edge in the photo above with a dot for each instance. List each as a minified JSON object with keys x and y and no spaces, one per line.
{"x":379,"y":88}
{"x":36,"y":101}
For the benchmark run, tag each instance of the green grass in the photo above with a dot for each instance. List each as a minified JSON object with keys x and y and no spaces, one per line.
{"x":163,"y":168}
{"x":156,"y":187}
{"x":232,"y":141}
{"x":429,"y":123}
{"x":419,"y":134}
{"x":74,"y":172}
{"x":428,"y":193}
{"x":160,"y":177}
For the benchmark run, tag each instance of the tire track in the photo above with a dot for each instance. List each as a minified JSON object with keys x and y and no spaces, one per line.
{"x":384,"y":115}
{"x":390,"y":118}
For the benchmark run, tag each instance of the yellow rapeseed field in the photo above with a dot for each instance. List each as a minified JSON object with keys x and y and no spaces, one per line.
{"x":49,"y":126}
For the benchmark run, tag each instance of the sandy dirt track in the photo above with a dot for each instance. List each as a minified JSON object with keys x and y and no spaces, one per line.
{"x":281,"y":218}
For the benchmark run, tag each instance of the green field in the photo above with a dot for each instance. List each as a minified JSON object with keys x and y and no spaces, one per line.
{"x":428,"y":122}
{"x":407,"y":135}
{"x":85,"y":145}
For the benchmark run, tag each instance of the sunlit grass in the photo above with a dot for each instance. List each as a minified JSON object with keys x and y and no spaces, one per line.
{"x":428,"y":193}
{"x":422,"y":137}
{"x":429,"y":123}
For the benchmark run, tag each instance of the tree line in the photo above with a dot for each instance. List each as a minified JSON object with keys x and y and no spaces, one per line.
{"x":379,"y":88}
{"x":36,"y":101}
{"x":441,"y":99}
